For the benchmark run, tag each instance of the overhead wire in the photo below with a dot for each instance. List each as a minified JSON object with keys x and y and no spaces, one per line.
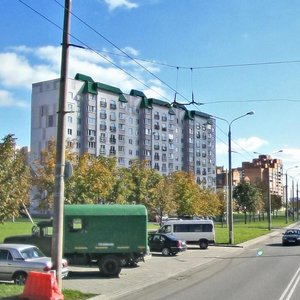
{"x":164,"y":64}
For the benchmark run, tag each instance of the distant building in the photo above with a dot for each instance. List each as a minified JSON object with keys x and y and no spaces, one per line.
{"x":267,"y":171}
{"x":102,"y":120}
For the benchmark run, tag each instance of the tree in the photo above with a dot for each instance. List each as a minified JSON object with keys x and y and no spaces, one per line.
{"x":185,"y":193}
{"x":14,"y":179}
{"x":276,"y":203}
{"x":161,"y":200}
{"x":92,"y":180}
{"x":247,"y":197}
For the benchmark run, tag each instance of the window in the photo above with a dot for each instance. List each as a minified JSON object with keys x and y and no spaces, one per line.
{"x":103,"y":125}
{"x":113,"y":104}
{"x":91,"y":132}
{"x":76,"y":225}
{"x":51,"y":121}
{"x":122,"y":127}
{"x":92,"y":145}
{"x":103,"y":102}
{"x":91,"y":108}
{"x":91,"y":121}
{"x":113,"y":116}
{"x":69,"y":131}
{"x":164,"y":117}
{"x":121,"y":116}
{"x":102,"y":137}
{"x":92,"y":97}
{"x":147,"y":131}
{"x":103,"y":114}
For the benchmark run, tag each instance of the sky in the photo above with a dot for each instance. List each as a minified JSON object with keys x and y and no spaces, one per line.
{"x":233,"y":56}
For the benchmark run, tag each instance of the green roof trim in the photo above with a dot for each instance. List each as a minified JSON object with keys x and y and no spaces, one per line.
{"x":137,"y":93}
{"x":188,"y":115}
{"x":108,"y":88}
{"x":112,"y":89}
{"x":194,"y":113}
{"x":83,"y":77}
{"x":201,"y":114}
{"x":91,"y":87}
{"x":122,"y":98}
{"x":145,"y":103}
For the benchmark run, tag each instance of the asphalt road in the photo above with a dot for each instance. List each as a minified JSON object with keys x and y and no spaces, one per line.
{"x":259,"y":269}
{"x":265,"y":270}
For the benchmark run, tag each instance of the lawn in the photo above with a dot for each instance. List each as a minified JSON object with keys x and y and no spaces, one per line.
{"x":241,"y":232}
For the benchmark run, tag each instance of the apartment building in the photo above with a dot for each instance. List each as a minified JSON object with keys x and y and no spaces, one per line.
{"x":102,"y":120}
{"x":266,"y":170}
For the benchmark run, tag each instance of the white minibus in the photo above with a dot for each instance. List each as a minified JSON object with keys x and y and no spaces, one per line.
{"x":201,"y":232}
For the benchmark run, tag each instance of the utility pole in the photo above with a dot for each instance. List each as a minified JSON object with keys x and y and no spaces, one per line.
{"x":57,"y":238}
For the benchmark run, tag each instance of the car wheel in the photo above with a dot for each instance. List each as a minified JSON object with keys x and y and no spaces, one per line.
{"x":20,"y":278}
{"x":203,"y":244}
{"x":110,"y":266}
{"x":165,"y":251}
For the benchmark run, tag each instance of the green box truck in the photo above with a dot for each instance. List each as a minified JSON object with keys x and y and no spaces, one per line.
{"x":109,"y":235}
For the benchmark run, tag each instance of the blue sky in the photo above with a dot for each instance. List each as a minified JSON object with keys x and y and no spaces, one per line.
{"x":223,"y":51}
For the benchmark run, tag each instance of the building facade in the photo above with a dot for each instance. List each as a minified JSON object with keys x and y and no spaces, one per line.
{"x":266,"y":170}
{"x":102,"y":120}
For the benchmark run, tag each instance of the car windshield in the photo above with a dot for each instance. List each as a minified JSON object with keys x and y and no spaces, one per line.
{"x":292,"y":232}
{"x":32,"y":252}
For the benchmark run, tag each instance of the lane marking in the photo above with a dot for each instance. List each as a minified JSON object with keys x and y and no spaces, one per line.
{"x":293,"y":282}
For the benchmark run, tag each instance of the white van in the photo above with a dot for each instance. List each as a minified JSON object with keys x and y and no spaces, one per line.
{"x":200,"y":232}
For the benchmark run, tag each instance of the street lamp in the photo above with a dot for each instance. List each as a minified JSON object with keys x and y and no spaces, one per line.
{"x":269,"y":160}
{"x":230,"y":211}
{"x":286,"y":193}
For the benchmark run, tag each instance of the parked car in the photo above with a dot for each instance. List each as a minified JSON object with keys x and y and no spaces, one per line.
{"x":17,"y":260}
{"x":291,"y":237}
{"x":165,"y":243}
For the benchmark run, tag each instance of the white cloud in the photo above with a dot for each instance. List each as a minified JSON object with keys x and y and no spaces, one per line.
{"x":7,"y":99}
{"x":113,"y":4}
{"x":241,"y":145}
{"x":23,"y":66}
{"x":16,"y":71}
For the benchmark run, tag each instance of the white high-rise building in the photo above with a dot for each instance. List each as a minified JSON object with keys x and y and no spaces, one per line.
{"x":102,"y":120}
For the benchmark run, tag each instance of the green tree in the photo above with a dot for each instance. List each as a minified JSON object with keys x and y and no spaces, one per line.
{"x":161,"y":198}
{"x":247,"y":197}
{"x":14,"y":179}
{"x":276,"y":203}
{"x":92,"y":180}
{"x":186,"y":193}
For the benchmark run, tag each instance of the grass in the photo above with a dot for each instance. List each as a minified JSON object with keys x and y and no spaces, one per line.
{"x":242,"y":232}
{"x":13,"y":292}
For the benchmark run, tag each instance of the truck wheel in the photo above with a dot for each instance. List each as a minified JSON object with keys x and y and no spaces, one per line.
{"x":203,"y":244}
{"x":110,"y":266}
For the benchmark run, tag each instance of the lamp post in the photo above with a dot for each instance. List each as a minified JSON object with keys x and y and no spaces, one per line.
{"x":269,"y":161}
{"x":286,"y":193}
{"x":230,"y":210}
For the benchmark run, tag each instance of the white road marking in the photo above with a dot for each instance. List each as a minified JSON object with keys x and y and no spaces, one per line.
{"x":291,"y":286}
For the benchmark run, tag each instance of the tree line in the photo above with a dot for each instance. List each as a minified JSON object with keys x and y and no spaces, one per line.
{"x":99,"y":180}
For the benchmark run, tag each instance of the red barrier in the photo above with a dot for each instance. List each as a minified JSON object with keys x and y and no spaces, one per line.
{"x":41,"y":286}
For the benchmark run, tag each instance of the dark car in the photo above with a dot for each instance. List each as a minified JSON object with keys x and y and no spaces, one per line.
{"x":291,"y":237}
{"x":167,"y":244}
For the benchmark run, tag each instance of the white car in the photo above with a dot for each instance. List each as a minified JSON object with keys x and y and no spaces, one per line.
{"x":17,"y":260}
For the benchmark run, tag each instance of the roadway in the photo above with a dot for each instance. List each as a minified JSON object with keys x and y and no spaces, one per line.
{"x":259,"y":269}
